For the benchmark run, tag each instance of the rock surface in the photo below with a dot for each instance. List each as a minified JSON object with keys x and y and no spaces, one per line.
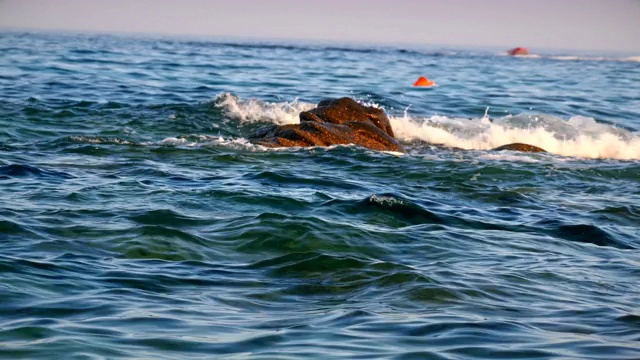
{"x":520,"y":147}
{"x":334,"y":122}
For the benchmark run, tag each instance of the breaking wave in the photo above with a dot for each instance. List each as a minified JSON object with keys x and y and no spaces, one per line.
{"x":254,"y":110}
{"x":578,"y":136}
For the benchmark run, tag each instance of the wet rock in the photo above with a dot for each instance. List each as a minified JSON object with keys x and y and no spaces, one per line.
{"x":334,"y":122}
{"x":344,"y":121}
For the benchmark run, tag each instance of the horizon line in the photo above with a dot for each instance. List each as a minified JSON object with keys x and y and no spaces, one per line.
{"x":308,"y":41}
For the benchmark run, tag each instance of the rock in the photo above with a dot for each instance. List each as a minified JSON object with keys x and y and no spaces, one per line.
{"x":344,"y":121}
{"x":334,"y":122}
{"x":520,"y":147}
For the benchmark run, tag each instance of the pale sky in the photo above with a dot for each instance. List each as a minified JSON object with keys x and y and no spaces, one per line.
{"x":611,"y":25}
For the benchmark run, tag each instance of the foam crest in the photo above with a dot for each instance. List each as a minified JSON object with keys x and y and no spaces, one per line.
{"x":253,"y":110}
{"x":578,"y":137}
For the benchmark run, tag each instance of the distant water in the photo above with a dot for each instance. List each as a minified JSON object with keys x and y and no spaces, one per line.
{"x":136,"y":221}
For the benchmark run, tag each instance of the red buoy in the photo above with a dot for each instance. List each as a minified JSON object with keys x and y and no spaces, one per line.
{"x":423,"y":81}
{"x":518,"y":51}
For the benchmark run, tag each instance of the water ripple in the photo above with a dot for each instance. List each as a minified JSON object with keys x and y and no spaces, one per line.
{"x":137,"y":221}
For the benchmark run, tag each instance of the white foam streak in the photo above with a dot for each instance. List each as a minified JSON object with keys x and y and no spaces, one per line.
{"x":101,"y":140}
{"x":500,"y":156}
{"x":207,"y":140}
{"x":575,"y":57}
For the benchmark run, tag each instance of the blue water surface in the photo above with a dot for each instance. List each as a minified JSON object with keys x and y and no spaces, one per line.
{"x":136,"y":220}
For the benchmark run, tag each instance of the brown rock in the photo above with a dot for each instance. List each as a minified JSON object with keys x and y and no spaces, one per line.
{"x":344,"y":121}
{"x":334,"y":122}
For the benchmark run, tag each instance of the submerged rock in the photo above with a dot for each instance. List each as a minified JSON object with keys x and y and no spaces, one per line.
{"x":520,"y":147}
{"x":334,"y":122}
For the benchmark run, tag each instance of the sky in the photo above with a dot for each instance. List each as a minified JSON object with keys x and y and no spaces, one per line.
{"x":598,"y":25}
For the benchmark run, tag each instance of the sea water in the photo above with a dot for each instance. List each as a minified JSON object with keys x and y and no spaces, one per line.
{"x":137,"y":220}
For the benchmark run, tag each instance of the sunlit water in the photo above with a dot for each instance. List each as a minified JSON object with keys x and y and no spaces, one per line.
{"x":136,"y":220}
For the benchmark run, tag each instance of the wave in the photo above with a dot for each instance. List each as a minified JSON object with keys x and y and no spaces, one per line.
{"x":254,"y":110}
{"x":584,"y":233}
{"x":83,"y":139}
{"x":208,"y":140}
{"x":577,"y":57}
{"x":593,"y":58}
{"x":19,"y":171}
{"x":579,"y":136}
{"x":187,"y":141}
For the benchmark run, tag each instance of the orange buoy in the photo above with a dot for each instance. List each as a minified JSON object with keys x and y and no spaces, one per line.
{"x":423,"y":81}
{"x":518,"y":51}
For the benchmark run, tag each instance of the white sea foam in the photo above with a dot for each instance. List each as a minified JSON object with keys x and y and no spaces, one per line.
{"x":253,"y":110}
{"x":386,"y":200}
{"x":208,"y":140}
{"x":576,"y":57}
{"x":578,"y":136}
{"x":101,"y":140}
{"x":509,"y":157}
{"x":172,"y":141}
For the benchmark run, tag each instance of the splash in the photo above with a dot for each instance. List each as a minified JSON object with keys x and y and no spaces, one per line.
{"x":253,"y":110}
{"x":578,"y":137}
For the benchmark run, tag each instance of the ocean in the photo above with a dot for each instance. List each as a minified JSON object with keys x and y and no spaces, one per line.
{"x":138,"y":222}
